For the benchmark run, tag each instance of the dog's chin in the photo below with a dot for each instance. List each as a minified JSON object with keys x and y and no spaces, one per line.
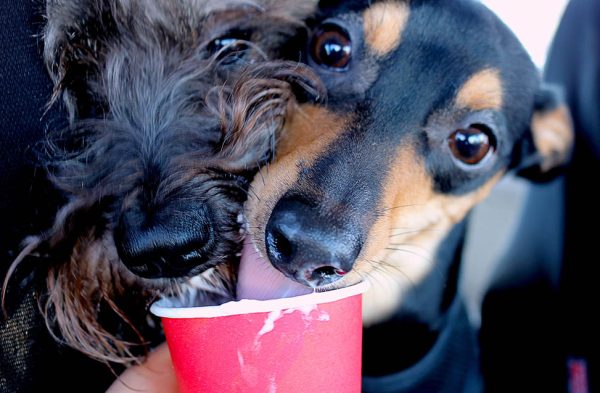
{"x":206,"y":284}
{"x":172,"y":270}
{"x":211,"y":288}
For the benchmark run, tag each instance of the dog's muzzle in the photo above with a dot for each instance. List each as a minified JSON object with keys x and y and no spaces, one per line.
{"x":172,"y":242}
{"x":308,"y":246}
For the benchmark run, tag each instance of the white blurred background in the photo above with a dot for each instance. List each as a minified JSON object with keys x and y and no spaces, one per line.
{"x":533,"y":21}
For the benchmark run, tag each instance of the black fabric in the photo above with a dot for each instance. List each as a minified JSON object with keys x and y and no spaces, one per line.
{"x":542,"y":312}
{"x":25,"y":89}
{"x":451,"y":366}
{"x":521,"y":346}
{"x":30,"y":360}
{"x":575,"y":62}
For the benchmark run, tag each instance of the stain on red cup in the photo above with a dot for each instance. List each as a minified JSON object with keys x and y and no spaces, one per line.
{"x":308,"y":343}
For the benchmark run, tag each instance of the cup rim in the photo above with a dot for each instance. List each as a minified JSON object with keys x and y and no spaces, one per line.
{"x":161,"y":308}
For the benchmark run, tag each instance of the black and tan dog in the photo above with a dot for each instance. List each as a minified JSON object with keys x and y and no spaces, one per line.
{"x":430,"y":104}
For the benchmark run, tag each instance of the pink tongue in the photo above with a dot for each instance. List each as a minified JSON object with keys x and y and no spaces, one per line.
{"x":258,"y":279}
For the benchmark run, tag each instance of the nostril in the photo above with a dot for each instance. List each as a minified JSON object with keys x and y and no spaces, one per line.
{"x":340,"y":272}
{"x":327,"y":273}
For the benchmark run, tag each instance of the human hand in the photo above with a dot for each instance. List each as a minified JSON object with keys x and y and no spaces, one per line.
{"x":155,"y":375}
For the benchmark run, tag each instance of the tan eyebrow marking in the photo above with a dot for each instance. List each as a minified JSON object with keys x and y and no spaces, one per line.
{"x":384,"y":24}
{"x":481,"y":91}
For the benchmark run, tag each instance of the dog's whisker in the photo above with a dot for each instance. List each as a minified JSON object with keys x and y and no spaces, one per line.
{"x":253,"y":193}
{"x":401,"y":206}
{"x":384,"y":268}
{"x":429,"y":260}
{"x":260,"y":173}
{"x":413,"y":245}
{"x":415,"y":231}
{"x":405,"y":250}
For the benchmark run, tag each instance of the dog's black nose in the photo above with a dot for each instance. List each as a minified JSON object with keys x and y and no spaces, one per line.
{"x":166,"y":243}
{"x":307,"y":245}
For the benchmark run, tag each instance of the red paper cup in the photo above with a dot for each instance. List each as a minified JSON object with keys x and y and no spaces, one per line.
{"x":309,"y":343}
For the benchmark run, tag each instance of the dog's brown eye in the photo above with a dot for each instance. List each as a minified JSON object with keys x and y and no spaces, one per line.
{"x":331,"y":47}
{"x":472,"y":145}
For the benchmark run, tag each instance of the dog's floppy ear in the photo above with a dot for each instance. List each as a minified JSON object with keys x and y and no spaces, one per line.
{"x":548,"y":146}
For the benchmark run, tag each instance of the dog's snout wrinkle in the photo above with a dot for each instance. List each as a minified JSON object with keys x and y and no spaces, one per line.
{"x":309,"y":246}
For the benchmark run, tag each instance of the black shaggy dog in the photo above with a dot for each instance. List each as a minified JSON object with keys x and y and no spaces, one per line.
{"x":173,"y":106}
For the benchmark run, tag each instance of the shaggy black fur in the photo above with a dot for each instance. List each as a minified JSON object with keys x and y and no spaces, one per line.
{"x":173,"y":106}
